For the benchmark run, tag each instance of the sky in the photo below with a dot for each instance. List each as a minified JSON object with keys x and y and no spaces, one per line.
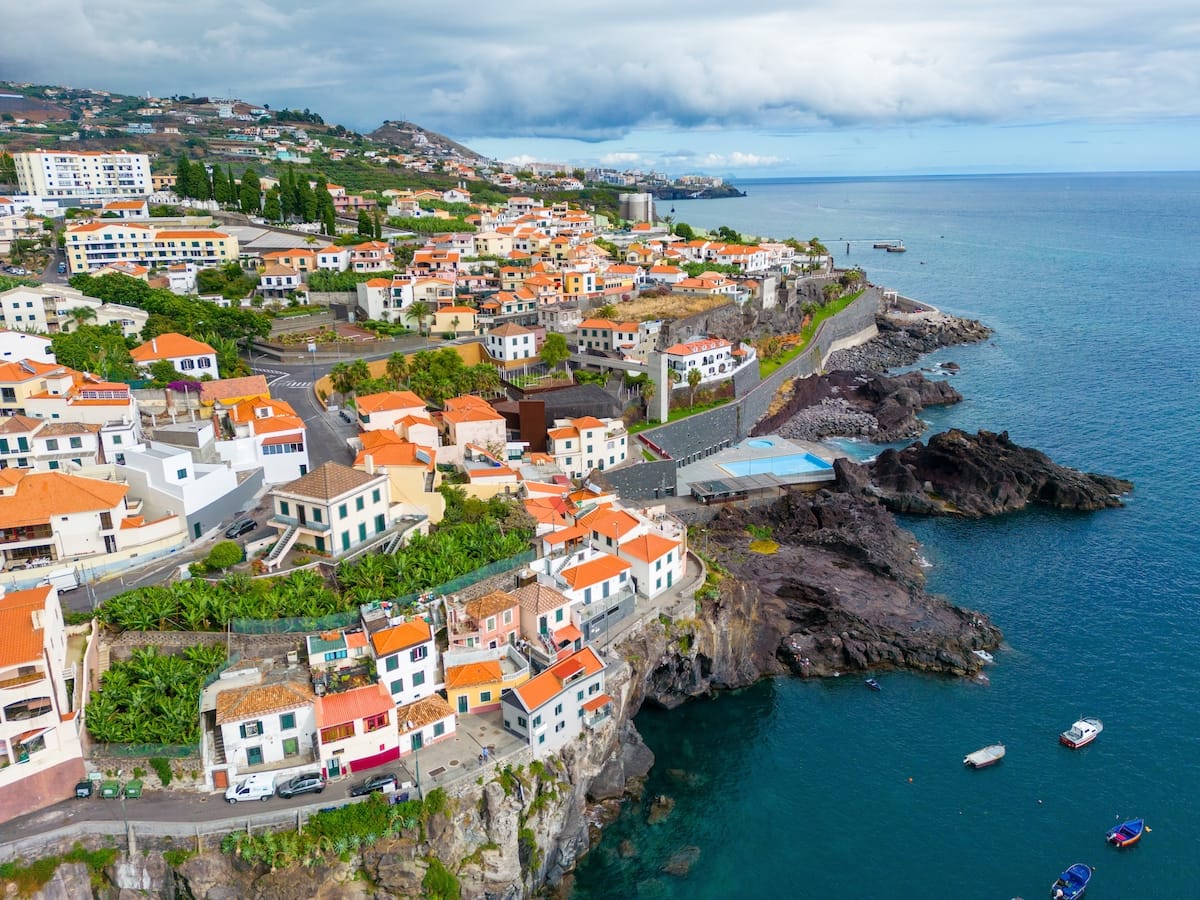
{"x":861,"y":87}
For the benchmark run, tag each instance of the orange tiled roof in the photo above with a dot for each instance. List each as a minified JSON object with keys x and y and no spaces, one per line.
{"x":473,"y":673}
{"x":399,"y":637}
{"x":171,"y":345}
{"x":539,"y":691}
{"x":490,"y":605}
{"x":352,"y":705}
{"x":397,"y":453}
{"x":20,"y":641}
{"x":423,"y":712}
{"x":594,"y":571}
{"x":261,"y":699}
{"x":228,"y":388}
{"x":40,"y":495}
{"x":387,"y":400}
{"x":649,"y":547}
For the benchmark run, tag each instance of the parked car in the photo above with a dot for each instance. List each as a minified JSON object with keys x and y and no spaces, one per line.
{"x":304,"y":783}
{"x":240,"y":527}
{"x":62,"y":268}
{"x":385,"y":782}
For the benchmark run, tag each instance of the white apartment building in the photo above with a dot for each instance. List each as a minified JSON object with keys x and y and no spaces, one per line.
{"x":48,"y":308}
{"x":406,"y":660}
{"x":552,"y":709}
{"x":581,"y":445}
{"x":511,"y":342}
{"x":716,"y":358}
{"x":40,"y":753}
{"x":86,"y":175}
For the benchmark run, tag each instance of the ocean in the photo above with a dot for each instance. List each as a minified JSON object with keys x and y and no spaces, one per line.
{"x":826,"y":789}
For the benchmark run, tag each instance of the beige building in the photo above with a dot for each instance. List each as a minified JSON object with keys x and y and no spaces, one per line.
{"x":411,"y":470}
{"x":97,"y":244}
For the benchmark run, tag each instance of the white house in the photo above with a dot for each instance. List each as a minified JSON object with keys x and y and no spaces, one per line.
{"x":657,"y":562}
{"x":386,"y":410}
{"x":260,"y":724}
{"x":511,"y":342}
{"x":187,"y":355}
{"x":470,"y":420}
{"x":268,"y":434}
{"x":716,"y":359}
{"x":552,"y":709}
{"x":181,"y":278}
{"x":333,"y":258}
{"x":40,"y":752}
{"x":406,"y":660}
{"x":581,"y":445}
{"x":19,"y":345}
{"x":170,"y":482}
{"x":424,"y":722}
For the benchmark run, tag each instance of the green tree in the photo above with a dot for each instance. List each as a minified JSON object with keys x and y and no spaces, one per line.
{"x":250,"y":194}
{"x":273,"y":208}
{"x":685,"y":231}
{"x":8,"y":168}
{"x":163,"y":372}
{"x":555,"y":351}
{"x":224,"y":555}
{"x":377,"y":231}
{"x":727,"y":235}
{"x":100,"y":349}
{"x":183,"y":176}
{"x":306,"y":201}
{"x":222,"y":189}
{"x":365,"y":227}
{"x":199,"y":187}
{"x":607,"y":311}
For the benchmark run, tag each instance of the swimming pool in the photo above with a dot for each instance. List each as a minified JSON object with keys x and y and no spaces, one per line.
{"x":792,"y":464}
{"x":760,"y":442}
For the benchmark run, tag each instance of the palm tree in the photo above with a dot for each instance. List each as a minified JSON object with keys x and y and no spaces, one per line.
{"x":607,"y":311}
{"x":649,"y":389}
{"x":397,"y":368}
{"x":340,"y":378}
{"x":82,"y":314}
{"x":693,"y":379}
{"x":419,"y":310}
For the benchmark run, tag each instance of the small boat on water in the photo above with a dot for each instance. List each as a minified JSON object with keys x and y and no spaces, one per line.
{"x":897,"y":248}
{"x":985,"y":756}
{"x":1071,"y":883}
{"x":1082,"y":733}
{"x":984,"y":655}
{"x":873,"y":684}
{"x":1127,"y":833}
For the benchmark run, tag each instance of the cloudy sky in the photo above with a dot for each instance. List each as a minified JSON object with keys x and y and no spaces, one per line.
{"x":776,"y":88}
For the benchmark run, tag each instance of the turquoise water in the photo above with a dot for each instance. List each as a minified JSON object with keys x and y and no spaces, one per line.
{"x":791,"y":464}
{"x":799,"y":789}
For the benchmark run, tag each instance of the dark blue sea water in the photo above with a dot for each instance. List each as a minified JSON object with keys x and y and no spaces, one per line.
{"x":801,"y":789}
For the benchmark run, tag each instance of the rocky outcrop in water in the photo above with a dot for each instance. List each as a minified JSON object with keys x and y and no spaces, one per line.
{"x":974,"y":475}
{"x":857,"y":404}
{"x":903,"y":339}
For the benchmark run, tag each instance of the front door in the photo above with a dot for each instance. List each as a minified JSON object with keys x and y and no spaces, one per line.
{"x":333,"y":768}
{"x":462,"y":703}
{"x":417,"y":741}
{"x":301,"y":516}
{"x":254,"y":756}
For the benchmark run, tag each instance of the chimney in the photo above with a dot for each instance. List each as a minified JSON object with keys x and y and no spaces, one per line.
{"x":369,"y":460}
{"x":154,"y":344}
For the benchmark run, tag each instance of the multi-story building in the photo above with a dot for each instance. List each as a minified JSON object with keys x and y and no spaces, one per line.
{"x":40,"y":753}
{"x":356,"y":730}
{"x":384,"y":410}
{"x":476,"y":679}
{"x":581,"y":445}
{"x":470,"y":420}
{"x":267,"y":723}
{"x":413,"y":477}
{"x":406,"y":660}
{"x":512,"y":343}
{"x":50,"y":308}
{"x":72,"y":396}
{"x":715,"y":358}
{"x":188,"y":355}
{"x":267,"y":434}
{"x":49,"y":516}
{"x":553,"y":708}
{"x":43,"y":446}
{"x":86,"y":176}
{"x":490,"y":621}
{"x":97,"y":244}
{"x":333,"y":508}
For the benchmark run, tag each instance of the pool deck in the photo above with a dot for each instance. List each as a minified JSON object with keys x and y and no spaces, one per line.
{"x":709,"y":468}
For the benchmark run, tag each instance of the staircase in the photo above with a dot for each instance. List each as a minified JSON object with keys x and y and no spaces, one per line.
{"x":219,"y":747}
{"x":285,"y":543}
{"x":390,"y":545}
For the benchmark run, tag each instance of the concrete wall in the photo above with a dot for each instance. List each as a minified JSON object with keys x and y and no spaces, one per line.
{"x":703,"y":434}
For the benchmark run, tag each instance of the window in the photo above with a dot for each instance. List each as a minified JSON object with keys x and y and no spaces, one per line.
{"x":186,"y":364}
{"x":658,"y":565}
{"x":579,"y":696}
{"x":418,"y":653}
{"x":558,"y":614}
{"x":508,"y":617}
{"x":342,"y":511}
{"x":287,"y":721}
{"x":316,"y":511}
{"x":76,"y":443}
{"x":397,"y":686}
{"x":362,"y":531}
{"x":485,"y":696}
{"x":558,"y":709}
{"x":335,"y":654}
{"x":251,"y":729}
{"x":284,"y":509}
{"x":375,"y":495}
{"x":418,"y":679}
{"x":337,"y":733}
{"x":205,"y":362}
{"x":541,"y":739}
{"x":374,"y":723}
{"x":439,"y":728}
{"x":345,"y":540}
{"x":521,"y":723}
{"x":380,"y":524}
{"x":52,"y":444}
{"x":537,"y":721}
{"x":594,"y":688}
{"x":359,"y":503}
{"x":181,"y":474}
{"x":491,"y":623}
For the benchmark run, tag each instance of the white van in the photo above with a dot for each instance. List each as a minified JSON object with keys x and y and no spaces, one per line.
{"x":255,"y":787}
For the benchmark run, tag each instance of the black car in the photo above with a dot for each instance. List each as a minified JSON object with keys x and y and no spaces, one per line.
{"x":304,"y":783}
{"x":240,"y":527}
{"x":386,"y":781}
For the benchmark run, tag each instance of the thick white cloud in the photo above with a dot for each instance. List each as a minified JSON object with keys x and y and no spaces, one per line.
{"x":596,"y":71}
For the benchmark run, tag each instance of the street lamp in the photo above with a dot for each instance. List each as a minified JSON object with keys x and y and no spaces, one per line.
{"x":312,"y":350}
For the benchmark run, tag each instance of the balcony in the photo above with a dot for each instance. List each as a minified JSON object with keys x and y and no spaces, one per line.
{"x":13,"y":681}
{"x":307,"y":525}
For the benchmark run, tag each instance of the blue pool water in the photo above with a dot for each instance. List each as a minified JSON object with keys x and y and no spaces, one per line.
{"x":792,"y":464}
{"x":760,"y":442}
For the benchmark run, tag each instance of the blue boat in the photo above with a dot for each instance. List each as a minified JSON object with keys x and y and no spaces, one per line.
{"x":1071,"y":883}
{"x":1127,"y":833}
{"x":873,"y":684}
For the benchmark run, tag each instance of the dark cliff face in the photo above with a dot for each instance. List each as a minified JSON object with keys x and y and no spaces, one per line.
{"x":960,"y":474}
